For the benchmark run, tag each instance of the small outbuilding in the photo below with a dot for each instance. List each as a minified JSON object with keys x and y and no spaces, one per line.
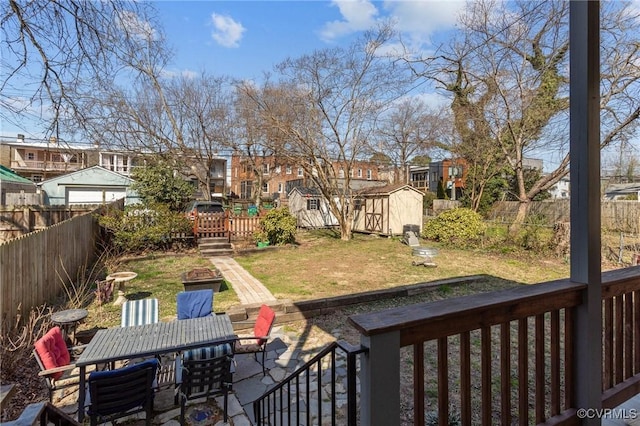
{"x":90,"y":186}
{"x":310,"y":208}
{"x":389,"y":210}
{"x":16,"y":190}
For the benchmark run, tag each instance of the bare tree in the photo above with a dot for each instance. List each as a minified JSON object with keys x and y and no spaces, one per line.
{"x":508,"y":75}
{"x":325,"y":113}
{"x":57,"y":52}
{"x":411,"y":128}
{"x":186,"y":120}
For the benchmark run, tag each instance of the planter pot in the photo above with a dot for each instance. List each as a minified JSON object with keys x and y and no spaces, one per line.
{"x":262,"y":244}
{"x":202,"y":279}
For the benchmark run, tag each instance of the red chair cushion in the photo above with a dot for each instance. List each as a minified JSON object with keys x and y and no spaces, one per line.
{"x":53,"y":351}
{"x":263,"y":324}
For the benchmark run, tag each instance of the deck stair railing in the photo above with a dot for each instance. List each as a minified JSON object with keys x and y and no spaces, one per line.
{"x":504,"y":357}
{"x":297,"y":399}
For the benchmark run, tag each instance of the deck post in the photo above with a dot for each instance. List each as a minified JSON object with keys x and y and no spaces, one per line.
{"x":584,"y":36}
{"x":380,"y":380}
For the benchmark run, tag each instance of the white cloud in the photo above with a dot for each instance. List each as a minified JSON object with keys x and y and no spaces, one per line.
{"x":417,"y":21}
{"x":424,"y":17}
{"x":358,"y":15}
{"x":132,"y":24}
{"x":226,"y":31}
{"x":186,"y":73}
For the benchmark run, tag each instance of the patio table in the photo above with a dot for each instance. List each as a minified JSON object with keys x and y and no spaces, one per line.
{"x":118,"y":343}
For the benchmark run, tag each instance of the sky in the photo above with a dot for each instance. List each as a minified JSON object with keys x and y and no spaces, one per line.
{"x":243,"y":39}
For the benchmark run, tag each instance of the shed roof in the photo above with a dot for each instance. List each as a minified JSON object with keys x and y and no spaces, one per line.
{"x":307,"y":192}
{"x":8,"y":175}
{"x":388,"y":189}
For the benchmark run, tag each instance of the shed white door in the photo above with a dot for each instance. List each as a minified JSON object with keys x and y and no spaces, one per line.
{"x":93,"y":195}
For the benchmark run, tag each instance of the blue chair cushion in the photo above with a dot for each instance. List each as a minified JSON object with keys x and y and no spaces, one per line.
{"x":194,"y":304}
{"x":97,"y":375}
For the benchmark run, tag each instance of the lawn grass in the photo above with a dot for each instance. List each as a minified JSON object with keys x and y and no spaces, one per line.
{"x":322,"y":265}
{"x":158,"y":277}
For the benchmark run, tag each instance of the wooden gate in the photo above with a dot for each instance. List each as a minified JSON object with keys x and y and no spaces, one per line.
{"x":212,"y":225}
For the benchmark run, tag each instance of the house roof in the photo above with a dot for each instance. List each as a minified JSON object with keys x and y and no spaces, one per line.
{"x":8,"y":175}
{"x":79,"y":177}
{"x":388,"y":189}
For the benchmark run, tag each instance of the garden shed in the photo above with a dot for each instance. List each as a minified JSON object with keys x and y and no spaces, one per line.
{"x":16,"y":190}
{"x":310,"y":208}
{"x":90,"y":186}
{"x":387,"y":210}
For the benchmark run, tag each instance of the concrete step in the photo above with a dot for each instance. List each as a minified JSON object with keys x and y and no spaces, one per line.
{"x":216,"y":252}
{"x":206,"y":240}
{"x":214,"y":245}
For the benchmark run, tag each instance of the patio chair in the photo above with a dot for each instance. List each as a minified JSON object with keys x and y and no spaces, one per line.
{"x":139,"y":312}
{"x":204,"y":372}
{"x":258,"y":342}
{"x":194,"y":304}
{"x":54,"y":359}
{"x":118,"y":393}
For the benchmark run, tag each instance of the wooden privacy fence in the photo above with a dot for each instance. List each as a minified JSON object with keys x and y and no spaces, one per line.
{"x":33,"y":265}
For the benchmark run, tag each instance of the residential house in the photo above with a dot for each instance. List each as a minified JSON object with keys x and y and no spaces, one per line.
{"x":388,"y":210}
{"x":561,"y":190}
{"x":452,"y":172}
{"x":37,"y":159}
{"x":280,"y":176}
{"x":93,"y":185}
{"x":419,"y":177}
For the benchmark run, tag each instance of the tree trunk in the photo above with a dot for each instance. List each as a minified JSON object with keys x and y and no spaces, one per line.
{"x":518,"y":221}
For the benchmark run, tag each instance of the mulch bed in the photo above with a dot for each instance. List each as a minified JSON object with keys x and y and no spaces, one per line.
{"x":29,"y":388}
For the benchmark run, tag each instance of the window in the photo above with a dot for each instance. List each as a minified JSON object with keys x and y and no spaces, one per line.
{"x":265,"y":187}
{"x":36,"y":178}
{"x":278,"y":169}
{"x":31,"y":156}
{"x":280,"y":187}
{"x":357,"y":204}
{"x":288,"y":170}
{"x":246,"y":188}
{"x":265,"y":169}
{"x":359,"y":173}
{"x":313,"y":204}
{"x":341,"y":173}
{"x":369,"y":174}
{"x":300,"y":171}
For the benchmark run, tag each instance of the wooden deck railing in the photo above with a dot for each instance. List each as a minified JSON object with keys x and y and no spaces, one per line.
{"x":496,"y":358}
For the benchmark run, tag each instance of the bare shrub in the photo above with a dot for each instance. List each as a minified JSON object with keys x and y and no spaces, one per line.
{"x":17,"y":338}
{"x":79,"y":292}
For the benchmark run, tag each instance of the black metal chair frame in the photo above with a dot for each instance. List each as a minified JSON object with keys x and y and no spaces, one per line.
{"x":112,"y":397}
{"x":205,"y":377}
